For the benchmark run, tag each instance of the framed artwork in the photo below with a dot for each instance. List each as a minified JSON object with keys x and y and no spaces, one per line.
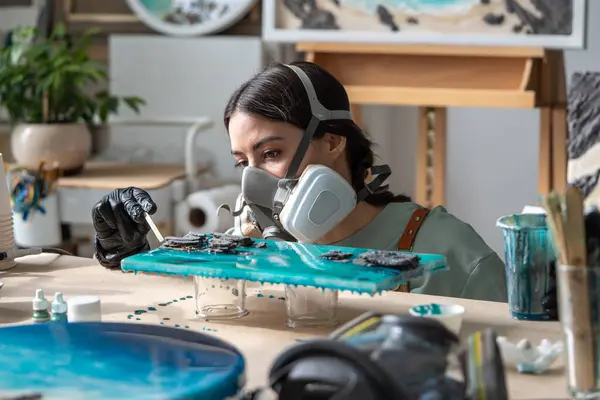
{"x":534,"y":23}
{"x":16,"y":3}
{"x":190,"y":17}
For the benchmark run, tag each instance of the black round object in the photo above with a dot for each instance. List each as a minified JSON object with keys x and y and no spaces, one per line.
{"x":380,"y":380}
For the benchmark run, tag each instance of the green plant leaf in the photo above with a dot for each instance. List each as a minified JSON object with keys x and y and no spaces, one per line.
{"x":59,"y":32}
{"x":134,"y":103}
{"x":58,"y":69}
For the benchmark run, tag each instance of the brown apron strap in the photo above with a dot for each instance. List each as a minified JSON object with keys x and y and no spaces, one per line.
{"x":408,"y":238}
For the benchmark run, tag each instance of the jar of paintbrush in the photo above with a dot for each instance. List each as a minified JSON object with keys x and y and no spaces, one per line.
{"x":530,"y":261}
{"x":577,"y":241}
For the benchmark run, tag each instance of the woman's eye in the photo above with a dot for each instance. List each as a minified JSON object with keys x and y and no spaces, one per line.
{"x":270,"y":154}
{"x":241,"y":164}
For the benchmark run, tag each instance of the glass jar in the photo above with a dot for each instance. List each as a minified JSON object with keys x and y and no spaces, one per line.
{"x":220,"y":298}
{"x":310,"y":306}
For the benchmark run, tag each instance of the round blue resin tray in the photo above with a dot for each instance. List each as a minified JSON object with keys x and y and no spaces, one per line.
{"x":116,"y":360}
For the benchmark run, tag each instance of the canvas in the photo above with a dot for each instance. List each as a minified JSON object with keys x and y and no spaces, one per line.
{"x":190,"y":17}
{"x":534,"y":23}
{"x":283,"y":262}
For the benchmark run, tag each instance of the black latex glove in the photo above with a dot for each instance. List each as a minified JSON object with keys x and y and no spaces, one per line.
{"x":120,"y":225}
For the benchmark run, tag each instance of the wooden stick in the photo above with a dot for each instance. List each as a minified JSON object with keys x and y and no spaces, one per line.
{"x":154,"y":228}
{"x":575,"y":285}
{"x":575,"y":234}
{"x":556,"y":224}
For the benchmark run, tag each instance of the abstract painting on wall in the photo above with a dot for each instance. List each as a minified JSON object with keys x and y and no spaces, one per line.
{"x":535,"y":23}
{"x":190,"y":17}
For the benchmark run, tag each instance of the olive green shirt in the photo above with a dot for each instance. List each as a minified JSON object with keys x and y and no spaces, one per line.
{"x":475,"y":270}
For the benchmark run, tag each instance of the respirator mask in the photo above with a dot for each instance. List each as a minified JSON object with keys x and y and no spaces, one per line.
{"x":307,"y":207}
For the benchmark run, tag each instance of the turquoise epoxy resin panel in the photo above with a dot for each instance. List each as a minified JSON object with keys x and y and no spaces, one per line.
{"x":117,"y":361}
{"x":282,"y":262}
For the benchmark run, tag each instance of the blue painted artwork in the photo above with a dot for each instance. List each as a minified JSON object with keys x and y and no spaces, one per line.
{"x":529,"y":256}
{"x":283,"y":262}
{"x":117,"y":361}
{"x":535,"y":23}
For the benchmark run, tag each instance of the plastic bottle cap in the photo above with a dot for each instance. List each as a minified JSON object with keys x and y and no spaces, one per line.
{"x":58,"y":305}
{"x":84,"y":308}
{"x":39,"y":301}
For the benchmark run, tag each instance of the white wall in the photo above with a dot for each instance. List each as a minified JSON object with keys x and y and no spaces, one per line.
{"x":15,"y":17}
{"x":181,"y":78}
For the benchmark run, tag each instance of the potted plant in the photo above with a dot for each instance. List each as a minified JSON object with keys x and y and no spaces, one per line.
{"x":45,"y":89}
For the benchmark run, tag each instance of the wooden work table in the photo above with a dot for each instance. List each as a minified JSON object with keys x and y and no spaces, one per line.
{"x":262,"y":334}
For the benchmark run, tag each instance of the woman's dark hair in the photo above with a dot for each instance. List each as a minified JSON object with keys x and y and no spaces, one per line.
{"x":278,"y":94}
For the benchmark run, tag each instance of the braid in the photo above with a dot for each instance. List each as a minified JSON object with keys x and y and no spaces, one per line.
{"x":361,"y":158}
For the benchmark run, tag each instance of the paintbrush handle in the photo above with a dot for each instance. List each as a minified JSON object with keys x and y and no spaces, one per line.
{"x":154,"y":228}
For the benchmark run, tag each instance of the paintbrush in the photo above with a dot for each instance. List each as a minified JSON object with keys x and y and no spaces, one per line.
{"x":154,"y":228}
{"x":569,"y":240}
{"x":556,"y":224}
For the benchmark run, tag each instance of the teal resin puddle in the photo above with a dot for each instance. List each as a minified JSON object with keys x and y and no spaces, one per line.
{"x":91,"y":361}
{"x":425,"y":310}
{"x":285,"y":263}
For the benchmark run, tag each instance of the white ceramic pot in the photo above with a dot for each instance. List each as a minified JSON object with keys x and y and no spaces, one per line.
{"x":69,"y":145}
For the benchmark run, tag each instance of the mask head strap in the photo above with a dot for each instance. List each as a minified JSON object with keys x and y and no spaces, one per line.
{"x":320,"y":114}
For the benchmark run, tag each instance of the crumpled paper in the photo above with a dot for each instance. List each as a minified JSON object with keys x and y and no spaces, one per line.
{"x":528,"y":359}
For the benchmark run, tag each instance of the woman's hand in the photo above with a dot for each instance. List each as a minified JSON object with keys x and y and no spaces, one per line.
{"x":120,"y":225}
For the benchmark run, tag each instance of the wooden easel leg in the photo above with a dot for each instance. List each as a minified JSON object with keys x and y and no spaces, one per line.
{"x":559,"y":149}
{"x":545,"y":152}
{"x":553,"y":125}
{"x":438,"y":197}
{"x":422,"y":181}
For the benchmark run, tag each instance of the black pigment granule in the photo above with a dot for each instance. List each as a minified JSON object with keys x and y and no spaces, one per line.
{"x":337,"y":255}
{"x":189,"y":242}
{"x":240,"y":241}
{"x":390,"y":259}
{"x":218,"y":243}
{"x":222,"y":246}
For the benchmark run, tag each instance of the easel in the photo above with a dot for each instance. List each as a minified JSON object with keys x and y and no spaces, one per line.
{"x":436,"y":77}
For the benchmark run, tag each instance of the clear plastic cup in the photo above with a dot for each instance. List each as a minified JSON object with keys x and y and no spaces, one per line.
{"x":220,"y":298}
{"x":582,"y":365}
{"x":310,"y":306}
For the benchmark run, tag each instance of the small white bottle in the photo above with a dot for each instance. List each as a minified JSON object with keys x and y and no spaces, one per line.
{"x":59,"y":308}
{"x":40,"y":307}
{"x":84,"y":309}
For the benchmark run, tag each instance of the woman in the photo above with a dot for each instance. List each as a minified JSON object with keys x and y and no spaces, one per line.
{"x":266,"y":119}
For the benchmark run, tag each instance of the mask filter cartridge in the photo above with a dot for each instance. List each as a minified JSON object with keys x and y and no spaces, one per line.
{"x":321,"y":199}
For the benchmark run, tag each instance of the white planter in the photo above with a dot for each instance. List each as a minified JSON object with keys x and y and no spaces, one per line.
{"x":69,"y":145}
{"x":39,"y":230}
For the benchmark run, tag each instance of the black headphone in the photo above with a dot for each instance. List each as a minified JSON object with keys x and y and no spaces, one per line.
{"x":379,"y":379}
